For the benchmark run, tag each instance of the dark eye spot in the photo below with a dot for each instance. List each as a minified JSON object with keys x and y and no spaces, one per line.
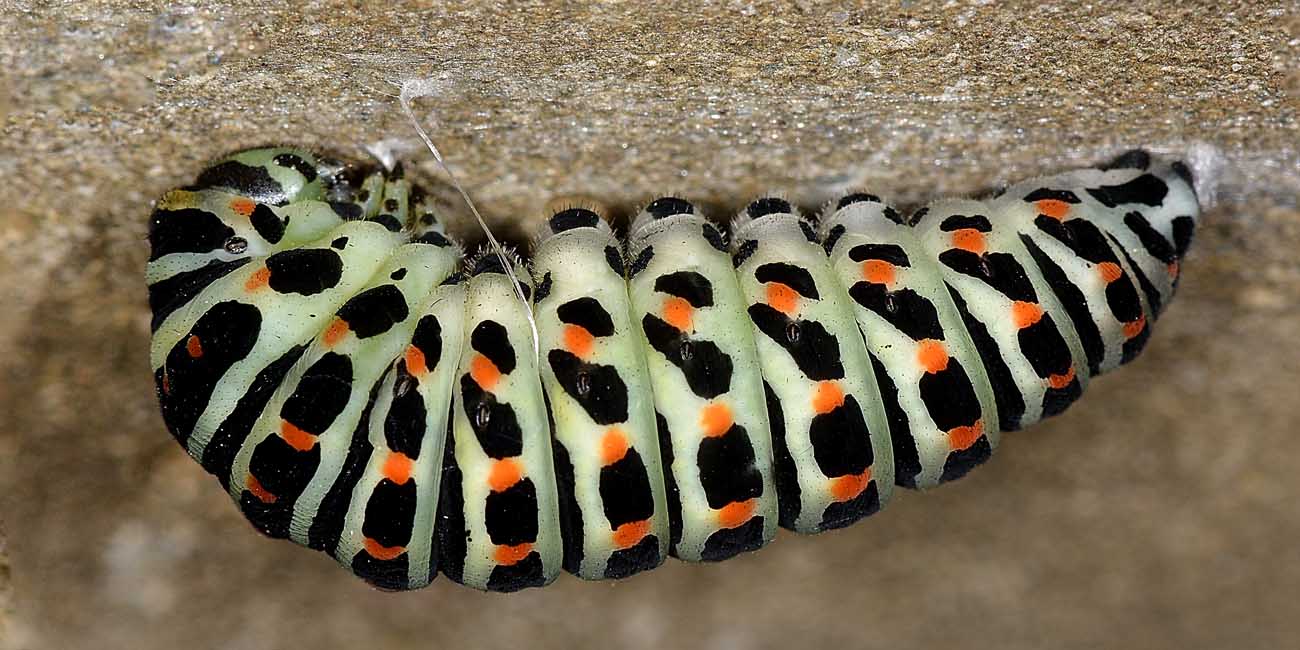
{"x":390,"y":205}
{"x":404,"y":386}
{"x":339,"y":243}
{"x":428,"y":219}
{"x":482,"y":415}
{"x":236,"y":245}
{"x":398,"y":274}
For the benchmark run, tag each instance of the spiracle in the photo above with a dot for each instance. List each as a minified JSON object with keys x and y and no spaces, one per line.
{"x":360,"y":387}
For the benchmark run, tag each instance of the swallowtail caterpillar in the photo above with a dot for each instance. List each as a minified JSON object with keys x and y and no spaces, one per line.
{"x":357,"y":385}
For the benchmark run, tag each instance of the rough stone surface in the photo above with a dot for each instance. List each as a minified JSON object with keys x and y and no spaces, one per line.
{"x":1159,"y":512}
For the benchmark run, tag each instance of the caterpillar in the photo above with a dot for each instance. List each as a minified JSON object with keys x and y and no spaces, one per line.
{"x":359,"y":386}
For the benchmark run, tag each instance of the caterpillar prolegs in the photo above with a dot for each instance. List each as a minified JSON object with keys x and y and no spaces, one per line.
{"x":322,"y":347}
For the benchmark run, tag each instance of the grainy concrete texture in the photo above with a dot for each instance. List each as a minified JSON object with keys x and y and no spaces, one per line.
{"x":1160,"y":512}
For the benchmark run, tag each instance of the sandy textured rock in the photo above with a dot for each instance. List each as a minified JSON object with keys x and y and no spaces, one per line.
{"x":1159,"y":512}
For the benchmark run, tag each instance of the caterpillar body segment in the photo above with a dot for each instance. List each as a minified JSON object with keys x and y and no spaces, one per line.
{"x":274,"y":176}
{"x":940,"y":405}
{"x":1144,"y":211}
{"x":707,"y":384}
{"x":833,"y":456}
{"x":1086,"y":271}
{"x":614,"y":517}
{"x":201,"y":235}
{"x":500,"y":527}
{"x":937,"y":397}
{"x":388,"y":537}
{"x":254,"y":315}
{"x":1013,"y":317}
{"x":290,"y":469}
{"x":322,"y":348}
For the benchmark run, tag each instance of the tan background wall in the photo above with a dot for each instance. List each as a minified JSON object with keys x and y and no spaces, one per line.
{"x":1161,"y":511}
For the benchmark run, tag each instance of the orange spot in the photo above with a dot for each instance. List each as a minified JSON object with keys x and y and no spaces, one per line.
{"x":508,"y":555}
{"x":736,"y":513}
{"x":484,"y":372}
{"x":243,"y":206}
{"x":578,"y":340}
{"x":878,"y":272}
{"x":630,"y":533}
{"x":255,"y":488}
{"x":1060,"y":381}
{"x":848,"y":486}
{"x":960,"y":438}
{"x":1053,"y":208}
{"x":969,"y":239}
{"x":398,"y":468}
{"x":1109,"y":272}
{"x":381,"y":552}
{"x":1133,"y":328}
{"x":715,"y":419}
{"x":504,"y":474}
{"x":1024,"y":314}
{"x":932,"y":356}
{"x":678,"y":313}
{"x":336,"y":331}
{"x":297,"y":438}
{"x":613,"y":446}
{"x":782,"y":298}
{"x":194,"y":347}
{"x":415,"y":361}
{"x":1173,"y":270}
{"x":258,"y":279}
{"x":827,"y":397}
